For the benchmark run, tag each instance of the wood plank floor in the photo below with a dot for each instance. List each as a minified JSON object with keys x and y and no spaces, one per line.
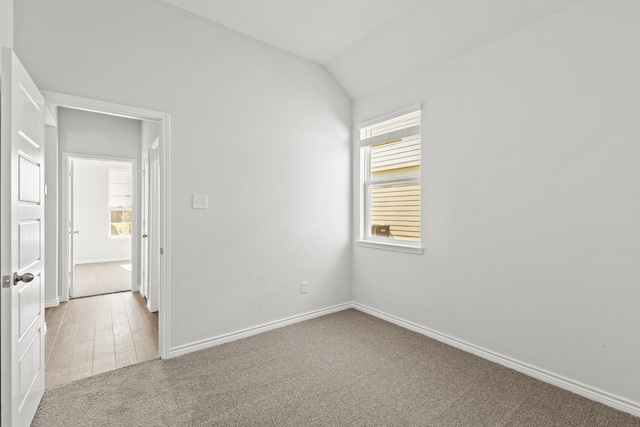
{"x":88,"y":336}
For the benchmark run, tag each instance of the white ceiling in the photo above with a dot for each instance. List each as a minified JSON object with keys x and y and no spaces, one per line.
{"x":368,"y":44}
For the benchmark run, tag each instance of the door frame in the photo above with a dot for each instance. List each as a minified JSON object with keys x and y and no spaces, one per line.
{"x":164,"y":121}
{"x":67,"y":222}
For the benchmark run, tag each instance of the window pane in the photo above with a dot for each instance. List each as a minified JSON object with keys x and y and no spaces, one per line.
{"x":120,"y":201}
{"x":115,"y":189}
{"x":116,"y":216}
{"x":395,"y":211}
{"x":396,"y":159}
{"x":121,"y":222}
{"x":115,"y":176}
{"x":115,"y":202}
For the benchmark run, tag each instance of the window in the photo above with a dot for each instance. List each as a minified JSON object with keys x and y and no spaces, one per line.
{"x":120,"y":200}
{"x":391,"y":179}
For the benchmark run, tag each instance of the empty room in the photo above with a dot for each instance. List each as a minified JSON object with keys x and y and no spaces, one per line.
{"x":337,"y":212}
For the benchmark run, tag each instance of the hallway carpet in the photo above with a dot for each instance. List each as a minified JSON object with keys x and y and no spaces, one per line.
{"x":343,"y":369}
{"x":101,"y":278}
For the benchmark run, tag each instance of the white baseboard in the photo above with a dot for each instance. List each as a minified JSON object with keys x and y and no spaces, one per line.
{"x":99,"y":260}
{"x":543,"y":375}
{"x":244,"y":333}
{"x":52,"y":302}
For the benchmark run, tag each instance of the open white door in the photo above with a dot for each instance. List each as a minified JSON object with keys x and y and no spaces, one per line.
{"x":153,"y":227}
{"x":144,"y":247}
{"x":22,"y":243}
{"x":72,"y":232}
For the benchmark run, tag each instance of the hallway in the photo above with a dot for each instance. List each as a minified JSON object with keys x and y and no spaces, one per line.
{"x":88,"y":336}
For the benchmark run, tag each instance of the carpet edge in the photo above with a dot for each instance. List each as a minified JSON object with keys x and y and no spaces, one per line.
{"x":576,"y":387}
{"x":254,"y":330}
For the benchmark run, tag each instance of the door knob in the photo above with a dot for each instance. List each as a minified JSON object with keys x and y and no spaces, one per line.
{"x":144,"y":236}
{"x":26,"y":278}
{"x":76,"y":232}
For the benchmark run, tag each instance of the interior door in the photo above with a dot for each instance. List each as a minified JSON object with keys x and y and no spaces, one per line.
{"x":153,"y":299}
{"x":22,"y":243}
{"x":71,"y":267}
{"x":145,"y":228}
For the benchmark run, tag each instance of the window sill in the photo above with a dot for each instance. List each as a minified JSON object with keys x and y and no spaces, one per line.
{"x":417,"y":250}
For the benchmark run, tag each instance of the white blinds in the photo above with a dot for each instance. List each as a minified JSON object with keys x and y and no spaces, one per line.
{"x":395,"y":129}
{"x":395,"y":155}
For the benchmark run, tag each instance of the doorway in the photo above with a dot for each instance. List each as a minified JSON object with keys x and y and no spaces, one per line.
{"x":111,"y":330}
{"x":102,"y":221}
{"x":163,"y":123}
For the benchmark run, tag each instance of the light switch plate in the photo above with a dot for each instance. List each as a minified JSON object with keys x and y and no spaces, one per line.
{"x":200,"y":201}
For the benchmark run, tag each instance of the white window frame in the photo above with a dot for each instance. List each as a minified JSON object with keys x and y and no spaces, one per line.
{"x":110,"y":209}
{"x":366,"y":238}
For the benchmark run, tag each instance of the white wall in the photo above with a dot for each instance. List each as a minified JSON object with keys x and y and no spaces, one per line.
{"x":531,"y":208}
{"x":91,"y":218}
{"x":84,"y":132}
{"x":6,"y":23}
{"x":264,"y":134}
{"x":51,"y":285}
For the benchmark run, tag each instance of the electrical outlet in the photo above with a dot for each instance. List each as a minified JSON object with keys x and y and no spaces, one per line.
{"x":304,"y":287}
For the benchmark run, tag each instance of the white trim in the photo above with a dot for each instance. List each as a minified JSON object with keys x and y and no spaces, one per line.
{"x":99,"y":260}
{"x":584,"y":390}
{"x":101,"y":107}
{"x":391,"y":136}
{"x":52,"y":302}
{"x":164,"y":120}
{"x":395,"y":247}
{"x":164,"y":316}
{"x":244,"y":333}
{"x":401,"y":112}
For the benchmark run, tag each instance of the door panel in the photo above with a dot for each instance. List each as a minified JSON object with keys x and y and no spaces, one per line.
{"x":21,"y":223}
{"x":29,"y":240}
{"x":30,"y":367}
{"x":29,"y":180}
{"x":29,"y":305}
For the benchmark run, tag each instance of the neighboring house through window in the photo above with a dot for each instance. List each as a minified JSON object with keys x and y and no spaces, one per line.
{"x":391,"y":178}
{"x":120,"y":202}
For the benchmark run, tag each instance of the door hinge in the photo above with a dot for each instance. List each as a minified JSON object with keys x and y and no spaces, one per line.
{"x":6,"y":281}
{"x":161,"y":251}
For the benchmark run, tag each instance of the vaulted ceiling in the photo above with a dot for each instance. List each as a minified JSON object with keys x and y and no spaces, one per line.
{"x":368,"y":44}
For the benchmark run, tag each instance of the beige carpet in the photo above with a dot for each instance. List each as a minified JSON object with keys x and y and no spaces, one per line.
{"x":101,"y":278}
{"x":344,"y":369}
